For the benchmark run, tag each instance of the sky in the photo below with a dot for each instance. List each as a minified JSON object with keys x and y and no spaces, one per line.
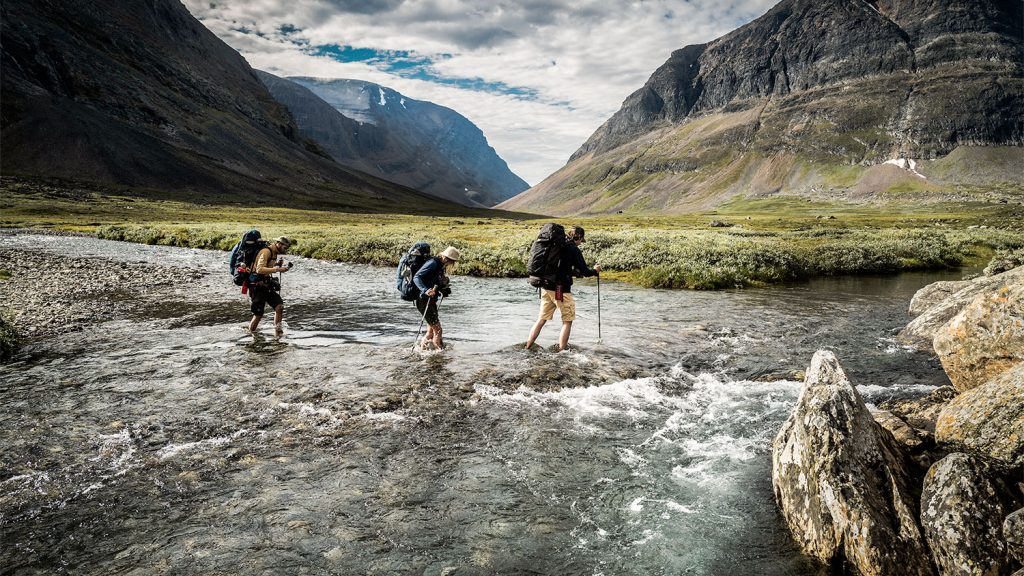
{"x":537,"y":76}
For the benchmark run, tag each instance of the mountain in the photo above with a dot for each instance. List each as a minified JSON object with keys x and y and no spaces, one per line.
{"x":415,"y":143}
{"x":845,"y":99}
{"x":141,"y":95}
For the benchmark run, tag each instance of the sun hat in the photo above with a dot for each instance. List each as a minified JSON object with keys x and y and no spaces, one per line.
{"x":450,"y":253}
{"x":284,"y":240}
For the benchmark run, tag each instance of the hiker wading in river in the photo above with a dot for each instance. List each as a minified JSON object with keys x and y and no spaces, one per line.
{"x":570,"y":263}
{"x":264,"y":288}
{"x":430,"y":280}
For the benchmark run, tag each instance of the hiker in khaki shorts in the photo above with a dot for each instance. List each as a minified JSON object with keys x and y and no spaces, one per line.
{"x":571,"y":264}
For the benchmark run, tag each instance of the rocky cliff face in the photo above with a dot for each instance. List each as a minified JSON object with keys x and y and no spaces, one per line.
{"x":140,"y":94}
{"x":814,"y":96}
{"x":411,"y":142}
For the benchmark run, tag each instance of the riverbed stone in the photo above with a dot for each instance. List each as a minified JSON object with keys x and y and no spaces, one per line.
{"x":962,"y":513}
{"x":842,"y":482}
{"x":904,"y":433}
{"x":920,"y":332}
{"x":1013,"y":532}
{"x":988,"y":419}
{"x":985,"y":338}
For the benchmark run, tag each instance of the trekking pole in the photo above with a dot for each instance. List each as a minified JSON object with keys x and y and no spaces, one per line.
{"x":598,"y":308}
{"x":422,"y":320}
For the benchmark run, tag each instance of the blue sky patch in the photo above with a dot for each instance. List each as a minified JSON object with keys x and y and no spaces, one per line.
{"x":407,"y":64}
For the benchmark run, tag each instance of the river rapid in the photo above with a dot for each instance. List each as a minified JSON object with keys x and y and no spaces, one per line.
{"x":172,"y":442}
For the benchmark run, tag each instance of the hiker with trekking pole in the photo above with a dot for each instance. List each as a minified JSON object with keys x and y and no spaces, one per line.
{"x":422,"y":279}
{"x":554,"y":259}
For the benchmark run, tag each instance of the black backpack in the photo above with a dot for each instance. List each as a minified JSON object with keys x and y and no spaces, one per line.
{"x":546,"y":256}
{"x":244,"y":254}
{"x":408,"y":266}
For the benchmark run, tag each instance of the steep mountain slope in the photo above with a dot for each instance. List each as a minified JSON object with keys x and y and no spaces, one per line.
{"x":140,"y":94}
{"x":412,"y":142}
{"x":845,"y":98}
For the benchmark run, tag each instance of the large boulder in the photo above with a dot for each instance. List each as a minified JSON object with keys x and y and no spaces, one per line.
{"x":933,"y":294}
{"x":962,"y":513}
{"x":921,"y":331}
{"x":988,"y":419}
{"x":842,"y":483}
{"x":985,"y":338}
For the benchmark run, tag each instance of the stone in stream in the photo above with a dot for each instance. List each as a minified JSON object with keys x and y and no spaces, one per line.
{"x":842,"y":482}
{"x":985,"y":338}
{"x":900,"y":430}
{"x":988,"y":419}
{"x":934,"y":293}
{"x":921,"y":331}
{"x":1013,"y":532}
{"x":922,"y":412}
{"x":963,"y":506}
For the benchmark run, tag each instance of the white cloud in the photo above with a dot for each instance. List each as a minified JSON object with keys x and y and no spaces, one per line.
{"x":581,"y":58}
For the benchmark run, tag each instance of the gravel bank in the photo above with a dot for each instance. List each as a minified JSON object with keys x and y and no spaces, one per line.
{"x":48,"y":294}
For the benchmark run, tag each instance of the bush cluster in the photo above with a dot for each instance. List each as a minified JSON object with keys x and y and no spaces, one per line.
{"x":695,"y":259}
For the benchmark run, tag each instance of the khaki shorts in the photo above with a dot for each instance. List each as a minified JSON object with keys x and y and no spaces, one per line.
{"x":566,"y":308}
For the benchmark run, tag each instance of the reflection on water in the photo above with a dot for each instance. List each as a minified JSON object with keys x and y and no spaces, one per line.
{"x":176,"y":443}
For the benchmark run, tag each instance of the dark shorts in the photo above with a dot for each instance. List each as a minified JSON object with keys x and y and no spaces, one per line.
{"x":431,"y":310}
{"x":261,"y":297}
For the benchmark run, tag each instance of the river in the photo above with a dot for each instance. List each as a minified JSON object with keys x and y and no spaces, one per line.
{"x":173,"y":442}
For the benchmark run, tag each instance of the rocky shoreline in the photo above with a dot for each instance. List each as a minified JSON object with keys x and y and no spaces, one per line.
{"x":48,"y":294}
{"x":933,"y":486}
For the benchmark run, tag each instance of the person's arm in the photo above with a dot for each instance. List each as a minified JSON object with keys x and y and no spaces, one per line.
{"x":263,"y":264}
{"x":581,"y":265}
{"x":426,"y":275}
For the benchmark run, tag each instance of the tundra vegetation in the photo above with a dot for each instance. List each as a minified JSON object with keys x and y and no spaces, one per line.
{"x":754,"y":242}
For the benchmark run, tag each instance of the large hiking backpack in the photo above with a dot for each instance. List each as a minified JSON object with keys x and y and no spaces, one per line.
{"x":244,"y":254}
{"x":408,"y":266}
{"x":546,"y":256}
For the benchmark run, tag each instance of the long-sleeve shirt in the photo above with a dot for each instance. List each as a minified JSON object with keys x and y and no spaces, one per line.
{"x":428,"y":275}
{"x":265,"y":263}
{"x":572,"y":264}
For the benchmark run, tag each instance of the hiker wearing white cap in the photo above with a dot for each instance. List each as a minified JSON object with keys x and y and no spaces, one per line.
{"x":264,"y":288}
{"x":430,"y":280}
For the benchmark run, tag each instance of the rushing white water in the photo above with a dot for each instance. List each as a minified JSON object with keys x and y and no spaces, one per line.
{"x":171,"y":438}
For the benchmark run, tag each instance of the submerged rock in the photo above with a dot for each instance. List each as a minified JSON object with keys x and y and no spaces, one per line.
{"x":842,"y":482}
{"x":962,"y":512}
{"x":988,"y":419}
{"x":921,"y":331}
{"x":985,"y":338}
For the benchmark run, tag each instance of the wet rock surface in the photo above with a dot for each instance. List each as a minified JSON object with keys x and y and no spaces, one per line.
{"x":986,"y":337}
{"x":842,"y":483}
{"x":48,"y":294}
{"x":988,"y":419}
{"x":962,"y":510}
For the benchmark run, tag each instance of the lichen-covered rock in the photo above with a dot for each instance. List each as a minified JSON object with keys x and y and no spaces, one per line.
{"x":842,"y":483}
{"x":985,"y":338}
{"x":934,"y":293}
{"x":962,"y":512}
{"x":904,"y":433}
{"x":988,"y":419}
{"x":1013,"y":533}
{"x":921,"y":331}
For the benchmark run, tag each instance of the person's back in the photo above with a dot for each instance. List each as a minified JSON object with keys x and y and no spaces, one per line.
{"x":571,"y":264}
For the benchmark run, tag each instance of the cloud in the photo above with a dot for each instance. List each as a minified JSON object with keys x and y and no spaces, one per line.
{"x":537,"y":76}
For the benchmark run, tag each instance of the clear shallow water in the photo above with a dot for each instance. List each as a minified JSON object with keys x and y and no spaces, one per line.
{"x":173,"y":442}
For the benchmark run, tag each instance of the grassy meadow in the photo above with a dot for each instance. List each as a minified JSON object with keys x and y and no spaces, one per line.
{"x":775,"y":240}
